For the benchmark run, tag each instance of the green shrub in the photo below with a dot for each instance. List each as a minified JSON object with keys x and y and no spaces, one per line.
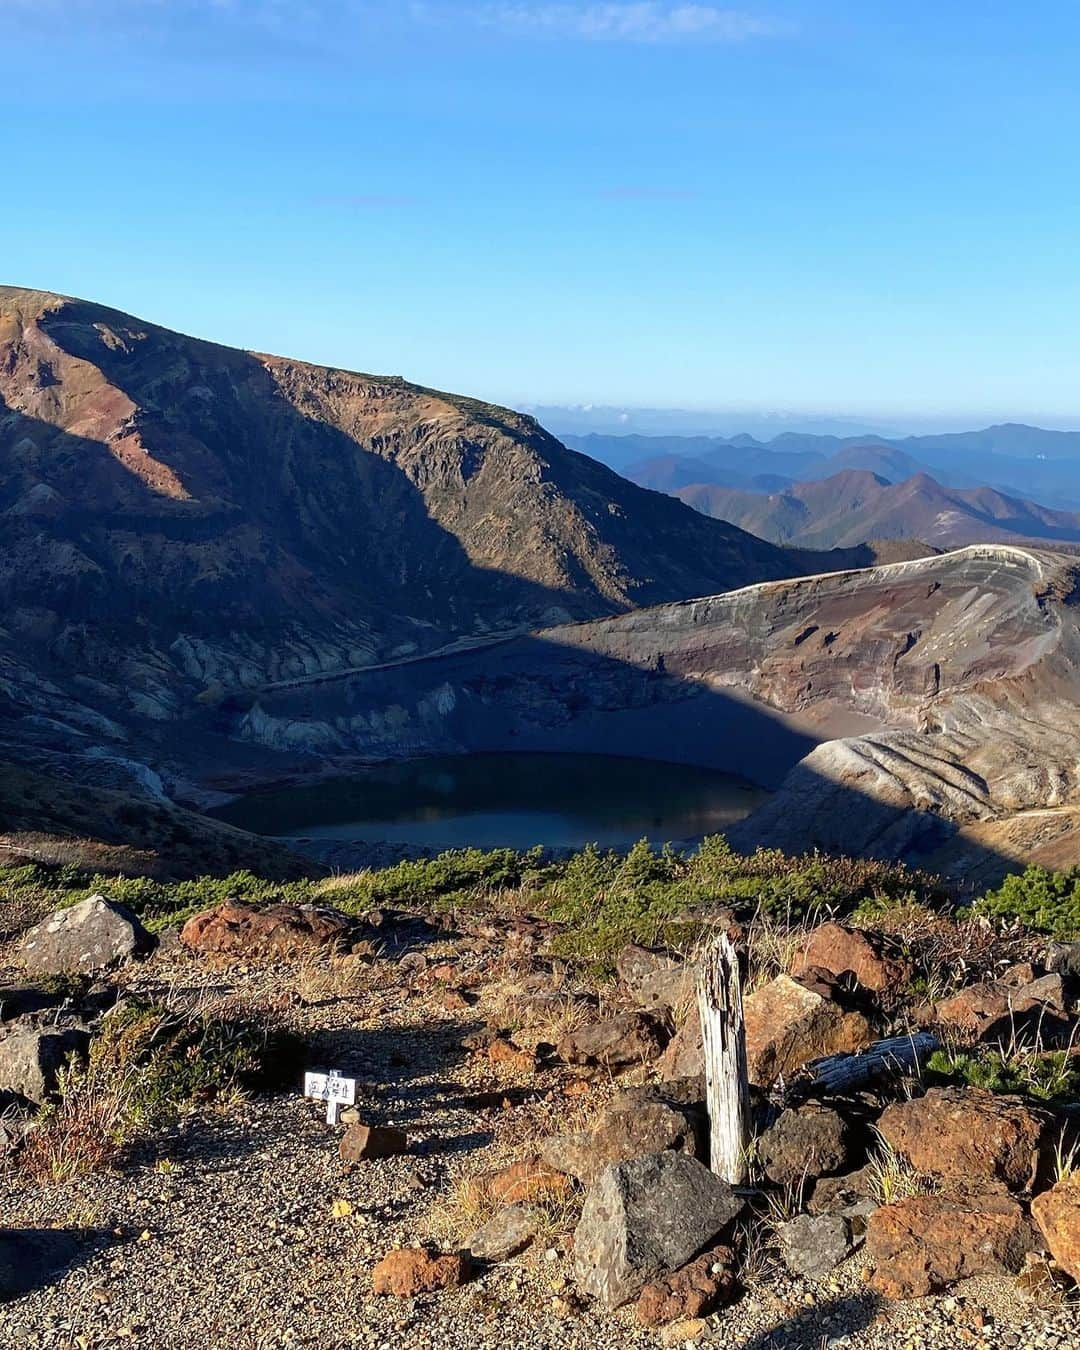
{"x":1048,"y":902}
{"x":146,"y":1064}
{"x":1045,"y":1075}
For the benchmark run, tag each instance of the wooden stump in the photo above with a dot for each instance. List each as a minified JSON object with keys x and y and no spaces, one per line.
{"x":727,"y":1084}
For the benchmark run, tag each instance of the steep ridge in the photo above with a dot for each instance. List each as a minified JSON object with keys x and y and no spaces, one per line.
{"x":855,"y":505}
{"x":892,"y":705}
{"x":182,"y":519}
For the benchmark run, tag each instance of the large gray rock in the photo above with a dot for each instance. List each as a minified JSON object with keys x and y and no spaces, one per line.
{"x":645,"y":1218}
{"x":813,"y":1245}
{"x":31,"y":1057}
{"x":92,"y":936}
{"x":635,"y":1123}
{"x":655,"y":980}
{"x":803,"y":1144}
{"x":504,"y":1235}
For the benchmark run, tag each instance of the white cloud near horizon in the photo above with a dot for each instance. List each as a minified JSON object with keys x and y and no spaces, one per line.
{"x":642,"y":21}
{"x":636,"y":21}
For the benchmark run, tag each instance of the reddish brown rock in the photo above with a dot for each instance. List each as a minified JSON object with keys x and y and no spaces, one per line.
{"x":1057,"y":1212}
{"x":846,"y":952}
{"x":928,"y":1242}
{"x":503,"y":1051}
{"x":787,"y":1026}
{"x":529,"y":1179}
{"x":366,"y":1143}
{"x":414,"y":1270}
{"x":615,"y":1043}
{"x":966,"y":1134}
{"x":695,"y":1290}
{"x":993,"y":1010}
{"x":264,"y":932}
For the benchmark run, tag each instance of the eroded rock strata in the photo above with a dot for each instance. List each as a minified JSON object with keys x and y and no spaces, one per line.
{"x":890,"y":705}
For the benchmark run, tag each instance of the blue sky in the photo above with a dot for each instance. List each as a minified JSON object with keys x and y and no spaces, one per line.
{"x":864,"y":208}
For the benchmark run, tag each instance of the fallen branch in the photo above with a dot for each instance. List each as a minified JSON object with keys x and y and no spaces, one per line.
{"x":890,"y":1058}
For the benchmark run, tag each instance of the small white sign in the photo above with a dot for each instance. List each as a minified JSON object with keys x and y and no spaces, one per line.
{"x":333,"y":1089}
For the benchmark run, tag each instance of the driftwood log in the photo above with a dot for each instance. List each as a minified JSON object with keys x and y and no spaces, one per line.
{"x":727,"y":1084}
{"x":890,"y":1058}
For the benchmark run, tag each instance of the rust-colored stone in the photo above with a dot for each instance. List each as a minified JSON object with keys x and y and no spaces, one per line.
{"x":503,"y":1051}
{"x":414,"y":1270}
{"x":844,"y":951}
{"x":928,"y":1242}
{"x":1057,"y":1212}
{"x":787,"y":1026}
{"x":264,"y":932}
{"x":694,"y":1290}
{"x":966,"y":1134}
{"x":529,"y":1179}
{"x":366,"y":1143}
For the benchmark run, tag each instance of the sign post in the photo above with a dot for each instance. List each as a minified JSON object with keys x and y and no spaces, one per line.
{"x":332,"y":1089}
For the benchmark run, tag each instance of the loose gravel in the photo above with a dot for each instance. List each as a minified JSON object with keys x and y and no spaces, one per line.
{"x":228,"y":1230}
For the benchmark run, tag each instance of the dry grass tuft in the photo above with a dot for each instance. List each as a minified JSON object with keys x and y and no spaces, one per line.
{"x":893,"y":1178}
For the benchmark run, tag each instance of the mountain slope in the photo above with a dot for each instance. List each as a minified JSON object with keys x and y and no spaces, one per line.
{"x":183,"y":517}
{"x":895,"y":707}
{"x":855,"y":505}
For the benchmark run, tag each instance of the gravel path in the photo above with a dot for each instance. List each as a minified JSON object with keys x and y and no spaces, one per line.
{"x":223,"y":1232}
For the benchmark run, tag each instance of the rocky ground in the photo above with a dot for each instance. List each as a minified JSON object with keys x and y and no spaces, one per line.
{"x":241,"y":1224}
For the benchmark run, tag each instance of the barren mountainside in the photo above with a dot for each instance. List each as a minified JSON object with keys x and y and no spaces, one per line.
{"x":183,"y":518}
{"x":892,"y":707}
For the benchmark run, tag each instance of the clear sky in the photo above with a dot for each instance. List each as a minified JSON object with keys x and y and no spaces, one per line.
{"x":860,"y":206}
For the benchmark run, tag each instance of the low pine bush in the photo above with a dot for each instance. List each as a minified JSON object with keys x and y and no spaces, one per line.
{"x":1048,"y":902}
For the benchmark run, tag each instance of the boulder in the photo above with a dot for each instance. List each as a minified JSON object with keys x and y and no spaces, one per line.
{"x":1049,"y":990}
{"x":504,"y":1235}
{"x":693,"y":1291}
{"x":804,"y":1143}
{"x":787,"y":1026}
{"x":927,"y":1242}
{"x":848,"y":953}
{"x":621,"y":1042}
{"x":31,"y":1058}
{"x":966,"y":1134}
{"x":656,"y":980}
{"x":1057,"y":1212}
{"x":92,"y":936}
{"x":366,"y":1143}
{"x":415,"y":1270}
{"x":1063,"y":958}
{"x":814,"y":1245}
{"x":633,"y":1124}
{"x":993,"y":1011}
{"x":265,"y":932}
{"x":645,"y":1218}
{"x":529,"y":1179}
{"x":685,"y":1053}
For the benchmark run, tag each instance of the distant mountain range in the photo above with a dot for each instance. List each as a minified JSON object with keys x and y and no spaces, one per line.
{"x":855,"y":505}
{"x":1030,"y":463}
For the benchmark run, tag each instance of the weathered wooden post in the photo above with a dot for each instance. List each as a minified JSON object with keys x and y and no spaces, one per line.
{"x":727,"y":1083}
